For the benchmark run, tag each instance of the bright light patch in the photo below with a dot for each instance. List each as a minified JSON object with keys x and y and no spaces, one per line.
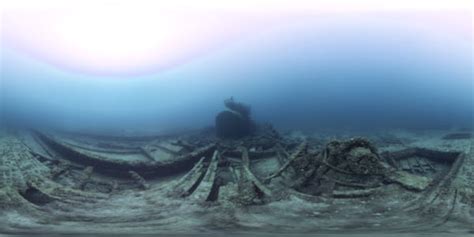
{"x":113,"y":37}
{"x":121,"y":40}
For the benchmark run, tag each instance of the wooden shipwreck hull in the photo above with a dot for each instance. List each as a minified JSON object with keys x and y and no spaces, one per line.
{"x":67,"y":183}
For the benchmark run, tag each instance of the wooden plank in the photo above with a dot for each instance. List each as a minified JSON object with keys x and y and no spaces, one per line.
{"x":301,"y":148}
{"x":187,"y":184}
{"x":203,"y":191}
{"x":146,"y":153}
{"x":250,"y":176}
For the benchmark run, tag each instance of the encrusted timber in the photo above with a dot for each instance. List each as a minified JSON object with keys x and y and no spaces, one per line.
{"x":355,"y":193}
{"x":118,"y":168}
{"x":23,"y":200}
{"x":439,"y":156}
{"x":188,"y":183}
{"x":256,"y":155}
{"x":200,"y":182}
{"x":115,"y":149}
{"x":64,"y":194}
{"x":11,"y":198}
{"x":118,"y":138}
{"x":440,"y":192}
{"x":85,"y":178}
{"x":442,"y":199}
{"x":307,"y":197}
{"x":248,"y":175}
{"x":299,"y":151}
{"x":139,"y":180}
{"x":146,"y":153}
{"x":361,"y":193}
{"x":43,"y":192}
{"x":208,"y":189}
{"x":25,"y":182}
{"x":445,"y":182}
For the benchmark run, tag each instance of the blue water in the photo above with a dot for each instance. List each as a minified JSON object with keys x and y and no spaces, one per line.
{"x":342,"y":76}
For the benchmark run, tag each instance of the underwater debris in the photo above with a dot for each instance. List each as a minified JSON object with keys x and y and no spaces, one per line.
{"x":356,"y":156}
{"x":249,"y":189}
{"x":18,"y":170}
{"x":347,"y":165}
{"x":409,"y":181}
{"x":435,"y":155}
{"x":139,"y":179}
{"x":204,"y":183}
{"x":147,"y":153}
{"x":297,"y":154}
{"x":351,"y":163}
{"x":235,"y":122}
{"x":86,"y":176}
{"x":26,"y":183}
{"x":232,"y":179}
{"x":208,"y":189}
{"x":190,"y":181}
{"x":120,"y":167}
{"x":201,"y":183}
{"x":62,"y":168}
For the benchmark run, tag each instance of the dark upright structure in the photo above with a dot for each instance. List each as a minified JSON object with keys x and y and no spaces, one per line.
{"x":235,"y":122}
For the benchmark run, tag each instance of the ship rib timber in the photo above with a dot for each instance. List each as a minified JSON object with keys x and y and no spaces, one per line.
{"x":120,"y":168}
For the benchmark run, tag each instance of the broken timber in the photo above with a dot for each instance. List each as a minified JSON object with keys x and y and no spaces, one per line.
{"x":120,"y":168}
{"x":200,"y":182}
{"x":301,"y":149}
{"x":439,"y":156}
{"x":207,"y":188}
{"x":248,"y":175}
{"x":146,"y":153}
{"x":191,"y":180}
{"x":139,"y":179}
{"x":85,"y":178}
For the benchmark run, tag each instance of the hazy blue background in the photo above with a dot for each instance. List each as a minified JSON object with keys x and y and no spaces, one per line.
{"x":312,"y":73}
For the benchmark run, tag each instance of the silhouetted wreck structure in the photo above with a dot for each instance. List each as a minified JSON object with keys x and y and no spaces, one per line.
{"x":235,"y":122}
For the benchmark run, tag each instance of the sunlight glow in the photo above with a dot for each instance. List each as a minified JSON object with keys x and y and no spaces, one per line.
{"x":118,"y":39}
{"x":127,"y":37}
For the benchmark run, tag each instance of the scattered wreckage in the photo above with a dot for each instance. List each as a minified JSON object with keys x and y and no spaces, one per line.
{"x":225,"y":180}
{"x":55,"y":178}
